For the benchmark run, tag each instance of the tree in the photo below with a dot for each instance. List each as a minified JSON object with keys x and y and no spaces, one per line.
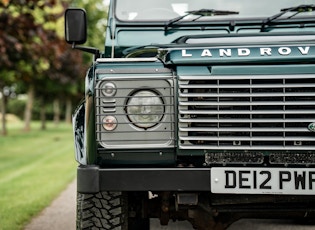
{"x":33,"y":53}
{"x":64,"y":78}
{"x":31,"y":47}
{"x":5,"y":92}
{"x":19,"y":49}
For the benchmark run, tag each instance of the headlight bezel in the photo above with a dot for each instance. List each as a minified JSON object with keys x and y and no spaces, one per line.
{"x":126,"y":134}
{"x":109,"y":89}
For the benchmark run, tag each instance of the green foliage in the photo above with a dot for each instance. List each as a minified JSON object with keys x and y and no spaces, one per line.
{"x":17,"y":107}
{"x":34,"y":168}
{"x":33,"y":51}
{"x":96,"y":20}
{"x":96,"y":17}
{"x":21,"y":38}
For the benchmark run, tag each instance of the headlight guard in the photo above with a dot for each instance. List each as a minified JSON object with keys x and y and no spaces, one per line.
{"x":143,"y":108}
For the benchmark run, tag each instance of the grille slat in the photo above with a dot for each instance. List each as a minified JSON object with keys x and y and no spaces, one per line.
{"x":270,"y":112}
{"x":244,"y":129}
{"x":242,"y":138}
{"x":210,"y":95}
{"x":244,"y":121}
{"x":261,"y":86}
{"x":234,"y":103}
{"x":248,"y":112}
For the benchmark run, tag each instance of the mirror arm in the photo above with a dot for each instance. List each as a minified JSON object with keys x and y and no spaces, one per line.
{"x":87,"y":49}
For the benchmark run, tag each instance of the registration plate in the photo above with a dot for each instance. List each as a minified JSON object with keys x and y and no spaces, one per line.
{"x":263,"y":181}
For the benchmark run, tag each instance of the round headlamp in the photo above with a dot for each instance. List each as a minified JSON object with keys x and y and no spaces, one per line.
{"x":145,"y":108}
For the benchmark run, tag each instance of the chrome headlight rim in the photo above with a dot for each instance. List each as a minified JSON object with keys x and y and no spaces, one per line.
{"x":135,"y":118}
{"x":109,"y":89}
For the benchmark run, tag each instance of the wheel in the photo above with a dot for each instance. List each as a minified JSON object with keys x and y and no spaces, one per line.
{"x":107,"y":210}
{"x":104,"y":210}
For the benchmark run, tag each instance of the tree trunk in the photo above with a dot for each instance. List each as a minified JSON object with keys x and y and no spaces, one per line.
{"x":4,"y":130}
{"x":43,"y":114}
{"x":56,"y":111}
{"x":68,"y":111}
{"x":29,"y":108}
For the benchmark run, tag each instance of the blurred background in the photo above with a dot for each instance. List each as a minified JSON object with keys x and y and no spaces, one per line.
{"x":41,"y":77}
{"x":41,"y":82}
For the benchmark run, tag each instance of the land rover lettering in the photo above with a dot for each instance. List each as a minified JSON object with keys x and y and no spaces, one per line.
{"x":246,"y":51}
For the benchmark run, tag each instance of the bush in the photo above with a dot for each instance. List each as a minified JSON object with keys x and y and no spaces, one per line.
{"x":17,"y":107}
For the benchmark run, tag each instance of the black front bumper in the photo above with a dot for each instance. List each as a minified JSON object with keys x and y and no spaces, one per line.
{"x":93,"y":179}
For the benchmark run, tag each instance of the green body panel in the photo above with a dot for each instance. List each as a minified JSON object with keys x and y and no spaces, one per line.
{"x":127,"y":37}
{"x":246,"y":69}
{"x":90,"y":124}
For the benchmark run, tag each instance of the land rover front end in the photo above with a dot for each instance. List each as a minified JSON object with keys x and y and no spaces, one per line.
{"x":197,"y":110}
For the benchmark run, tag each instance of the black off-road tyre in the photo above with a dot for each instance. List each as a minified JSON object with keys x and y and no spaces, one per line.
{"x":103,"y":210}
{"x":110,"y":211}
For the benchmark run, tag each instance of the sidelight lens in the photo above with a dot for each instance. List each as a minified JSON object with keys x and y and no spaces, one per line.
{"x":109,"y":123}
{"x":109,"y":89}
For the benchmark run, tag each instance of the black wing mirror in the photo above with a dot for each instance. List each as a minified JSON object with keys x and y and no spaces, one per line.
{"x":75,"y":26}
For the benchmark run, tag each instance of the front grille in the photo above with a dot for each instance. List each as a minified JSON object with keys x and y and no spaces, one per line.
{"x":262,"y":112}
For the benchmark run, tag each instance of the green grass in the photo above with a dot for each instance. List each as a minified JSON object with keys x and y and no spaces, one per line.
{"x":34,"y":168}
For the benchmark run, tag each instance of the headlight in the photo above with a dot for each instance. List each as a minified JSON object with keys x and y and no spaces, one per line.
{"x":145,"y":108}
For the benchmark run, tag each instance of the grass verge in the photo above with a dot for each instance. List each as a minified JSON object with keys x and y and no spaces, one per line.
{"x":34,"y":168}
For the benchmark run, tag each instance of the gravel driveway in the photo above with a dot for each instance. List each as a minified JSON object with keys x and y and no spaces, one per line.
{"x":60,"y":215}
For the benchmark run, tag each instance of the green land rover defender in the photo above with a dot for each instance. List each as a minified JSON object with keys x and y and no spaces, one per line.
{"x":196,"y":110}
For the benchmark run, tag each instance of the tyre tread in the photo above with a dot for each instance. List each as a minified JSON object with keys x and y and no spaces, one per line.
{"x":104,"y":210}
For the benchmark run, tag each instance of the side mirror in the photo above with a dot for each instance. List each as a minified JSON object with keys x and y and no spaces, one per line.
{"x":75,"y":26}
